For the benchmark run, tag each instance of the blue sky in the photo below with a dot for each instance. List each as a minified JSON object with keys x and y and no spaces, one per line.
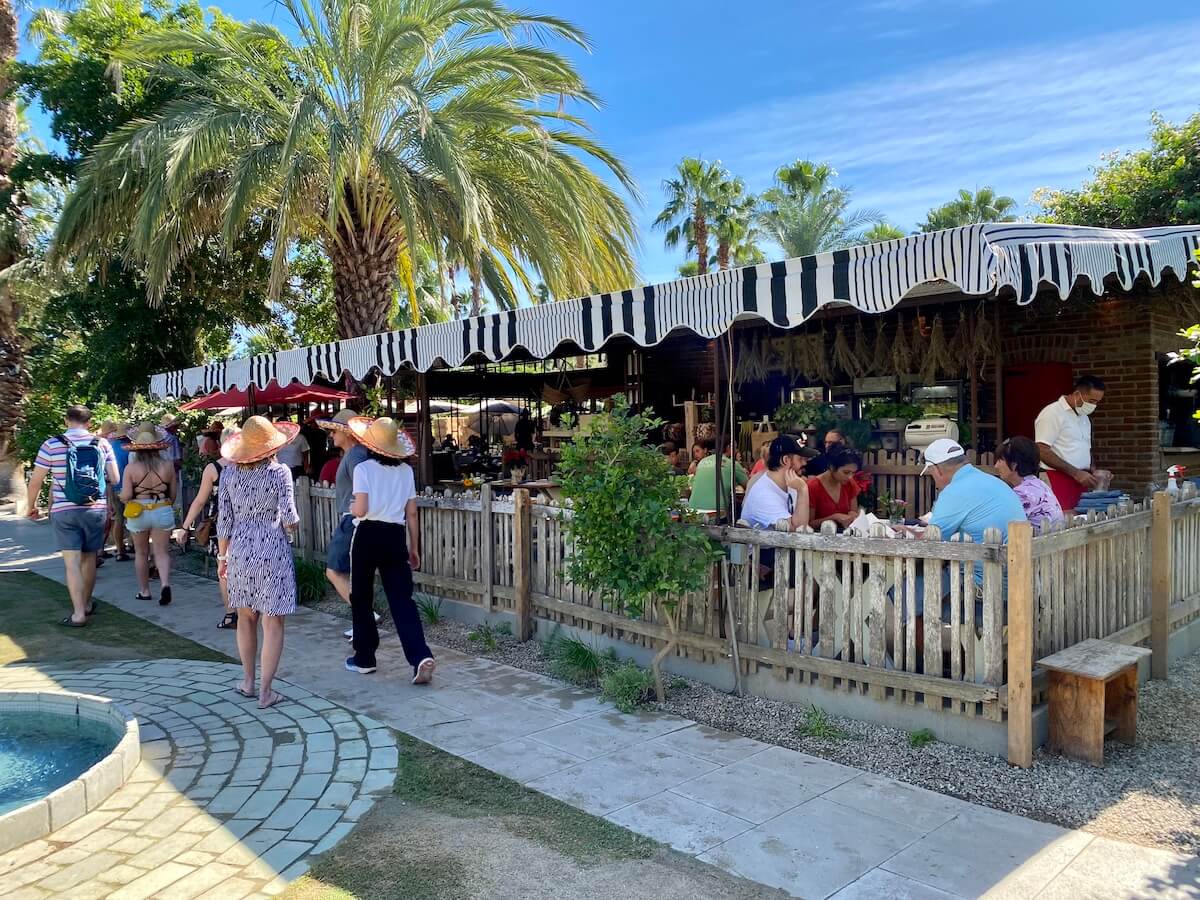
{"x":908,"y":99}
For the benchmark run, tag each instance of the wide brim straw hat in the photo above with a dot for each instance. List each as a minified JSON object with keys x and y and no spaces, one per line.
{"x":382,"y":436}
{"x":258,"y":439}
{"x":339,"y":422}
{"x":147,"y":437}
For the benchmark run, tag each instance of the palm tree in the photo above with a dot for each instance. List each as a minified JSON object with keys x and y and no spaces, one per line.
{"x":883,"y":231}
{"x":970,"y":209}
{"x":806,"y":214}
{"x":733,"y":222}
{"x":14,"y":381}
{"x":388,"y":124}
{"x":690,"y":202}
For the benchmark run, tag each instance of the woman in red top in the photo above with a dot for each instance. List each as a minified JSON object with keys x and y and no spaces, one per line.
{"x":832,"y":494}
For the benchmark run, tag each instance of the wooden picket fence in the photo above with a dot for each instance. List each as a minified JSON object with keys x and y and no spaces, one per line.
{"x":837,"y":612}
{"x":898,"y":472}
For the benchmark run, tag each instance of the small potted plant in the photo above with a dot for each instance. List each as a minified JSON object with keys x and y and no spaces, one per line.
{"x":889,"y":416}
{"x":890,"y":508}
{"x":804,"y":415}
{"x":515,"y":463}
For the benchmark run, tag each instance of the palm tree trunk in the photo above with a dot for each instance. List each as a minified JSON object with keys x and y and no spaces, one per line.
{"x":14,"y":381}
{"x":723,"y":255}
{"x":476,"y":293}
{"x":700,"y":233}
{"x":364,"y":288}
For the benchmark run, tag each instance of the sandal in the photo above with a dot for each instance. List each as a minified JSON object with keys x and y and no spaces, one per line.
{"x":164,"y":599}
{"x":230,"y":621}
{"x":71,"y":623}
{"x":91,"y":610}
{"x":141,"y":596}
{"x":237,"y":689}
{"x":269,"y":700}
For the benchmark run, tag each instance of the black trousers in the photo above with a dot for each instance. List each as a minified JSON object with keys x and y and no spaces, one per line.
{"x":383,"y":547}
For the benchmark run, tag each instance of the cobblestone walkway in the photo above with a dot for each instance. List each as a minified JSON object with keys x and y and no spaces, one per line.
{"x":228,"y":802}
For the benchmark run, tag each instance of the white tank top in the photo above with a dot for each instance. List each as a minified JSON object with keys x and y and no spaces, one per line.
{"x":766,"y":503}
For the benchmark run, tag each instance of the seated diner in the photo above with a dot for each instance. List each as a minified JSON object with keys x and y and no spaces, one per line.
{"x":1017,"y":462}
{"x":833,"y":494}
{"x":780,"y":492}
{"x":704,"y":485}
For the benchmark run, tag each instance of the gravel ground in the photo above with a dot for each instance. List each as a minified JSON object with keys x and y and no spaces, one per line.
{"x":1148,"y":794}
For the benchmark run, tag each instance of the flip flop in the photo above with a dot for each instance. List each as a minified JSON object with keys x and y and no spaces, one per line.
{"x":71,"y":623}
{"x":230,"y":621}
{"x":93,"y":609}
{"x":237,"y":689}
{"x":272,"y":699}
{"x":142,"y":597}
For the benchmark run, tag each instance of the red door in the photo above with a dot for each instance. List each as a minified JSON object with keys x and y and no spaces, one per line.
{"x":1027,"y":389}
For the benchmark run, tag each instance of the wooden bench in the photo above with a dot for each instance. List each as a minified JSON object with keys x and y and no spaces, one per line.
{"x":1093,"y":693}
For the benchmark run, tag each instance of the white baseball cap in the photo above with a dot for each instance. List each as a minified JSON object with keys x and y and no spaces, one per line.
{"x":941,"y":450}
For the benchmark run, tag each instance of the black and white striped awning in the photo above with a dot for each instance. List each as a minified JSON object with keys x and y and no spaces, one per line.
{"x":977,"y":259}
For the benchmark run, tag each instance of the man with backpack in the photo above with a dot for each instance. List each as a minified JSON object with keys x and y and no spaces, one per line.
{"x":81,"y":467}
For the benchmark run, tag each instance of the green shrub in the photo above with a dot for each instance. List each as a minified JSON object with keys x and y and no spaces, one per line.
{"x":817,"y":724}
{"x":310,"y":581}
{"x":488,"y":635}
{"x":430,"y":608}
{"x":577,"y":661}
{"x":920,"y":738}
{"x":627,"y":686}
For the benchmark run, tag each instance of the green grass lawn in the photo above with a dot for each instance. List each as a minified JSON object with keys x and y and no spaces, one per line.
{"x":32,"y":606}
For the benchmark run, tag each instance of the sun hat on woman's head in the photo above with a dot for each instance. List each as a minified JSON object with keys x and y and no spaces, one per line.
{"x":382,"y":436}
{"x":339,"y":422}
{"x":146,"y":437}
{"x":258,"y":439}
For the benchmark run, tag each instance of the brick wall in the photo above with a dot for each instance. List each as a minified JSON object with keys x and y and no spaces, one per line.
{"x":1116,"y":337}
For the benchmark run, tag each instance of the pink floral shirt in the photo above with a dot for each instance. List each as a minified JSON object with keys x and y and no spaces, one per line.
{"x":1041,"y":506}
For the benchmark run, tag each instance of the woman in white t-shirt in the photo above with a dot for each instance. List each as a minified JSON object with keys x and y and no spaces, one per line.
{"x":385,"y":502}
{"x":780,"y":492}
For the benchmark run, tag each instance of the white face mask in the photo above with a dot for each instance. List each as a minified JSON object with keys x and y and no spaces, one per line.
{"x":1086,"y":408}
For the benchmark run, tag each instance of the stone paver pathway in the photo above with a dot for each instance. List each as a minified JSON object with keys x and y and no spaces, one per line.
{"x":229,"y":801}
{"x":782,"y":818}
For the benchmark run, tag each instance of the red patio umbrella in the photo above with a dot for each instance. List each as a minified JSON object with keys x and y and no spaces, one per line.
{"x":271,"y":395}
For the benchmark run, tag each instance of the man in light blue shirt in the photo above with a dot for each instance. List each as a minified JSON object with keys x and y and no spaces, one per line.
{"x":970,"y":500}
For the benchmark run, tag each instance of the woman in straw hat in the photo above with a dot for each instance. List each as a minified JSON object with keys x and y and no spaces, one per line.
{"x":385,"y":501}
{"x":204,"y":510}
{"x":148,"y":492}
{"x":256,"y":509}
{"x":337,"y":553}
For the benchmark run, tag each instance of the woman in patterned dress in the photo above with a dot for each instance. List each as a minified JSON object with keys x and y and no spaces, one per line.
{"x":256,"y":509}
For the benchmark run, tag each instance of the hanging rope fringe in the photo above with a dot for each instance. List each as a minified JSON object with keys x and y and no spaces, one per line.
{"x":881,"y":355}
{"x":843,"y":356}
{"x":862,"y":348}
{"x":938,"y":357}
{"x":822,"y":369}
{"x":902,"y":354}
{"x":983,"y":340}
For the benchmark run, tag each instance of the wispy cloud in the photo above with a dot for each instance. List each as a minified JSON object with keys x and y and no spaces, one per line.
{"x":1037,"y":117}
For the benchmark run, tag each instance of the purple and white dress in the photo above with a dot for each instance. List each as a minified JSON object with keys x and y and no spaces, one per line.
{"x":1041,"y":506}
{"x":255,"y":503}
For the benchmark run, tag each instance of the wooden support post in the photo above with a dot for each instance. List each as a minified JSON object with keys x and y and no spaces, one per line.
{"x":1160,"y":584}
{"x":487,"y":547}
{"x":690,"y":418}
{"x":1020,"y":644}
{"x":304,"y":505}
{"x":424,"y":432}
{"x":522,"y":564}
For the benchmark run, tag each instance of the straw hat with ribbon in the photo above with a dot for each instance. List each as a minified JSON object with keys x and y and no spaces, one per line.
{"x":382,"y":436}
{"x":147,"y":437}
{"x":339,"y":422}
{"x":258,"y":439}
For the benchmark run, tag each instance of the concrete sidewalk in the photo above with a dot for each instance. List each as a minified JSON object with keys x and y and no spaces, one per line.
{"x":781,"y":818}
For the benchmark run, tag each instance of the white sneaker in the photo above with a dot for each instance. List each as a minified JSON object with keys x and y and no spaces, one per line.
{"x":348,"y":634}
{"x":424,"y":673}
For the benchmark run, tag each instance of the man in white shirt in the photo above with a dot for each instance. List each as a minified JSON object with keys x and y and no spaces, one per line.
{"x":294,"y":455}
{"x":1063,"y":433}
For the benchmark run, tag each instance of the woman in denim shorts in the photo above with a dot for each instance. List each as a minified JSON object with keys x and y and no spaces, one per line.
{"x":148,"y":491}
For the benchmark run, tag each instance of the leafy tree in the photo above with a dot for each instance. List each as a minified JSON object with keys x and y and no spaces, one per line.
{"x":1159,"y":185}
{"x":628,"y":526}
{"x":387,"y":125}
{"x":882,"y":232}
{"x":691,"y":204}
{"x":689,"y":269}
{"x":805,"y":213}
{"x":970,"y":209}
